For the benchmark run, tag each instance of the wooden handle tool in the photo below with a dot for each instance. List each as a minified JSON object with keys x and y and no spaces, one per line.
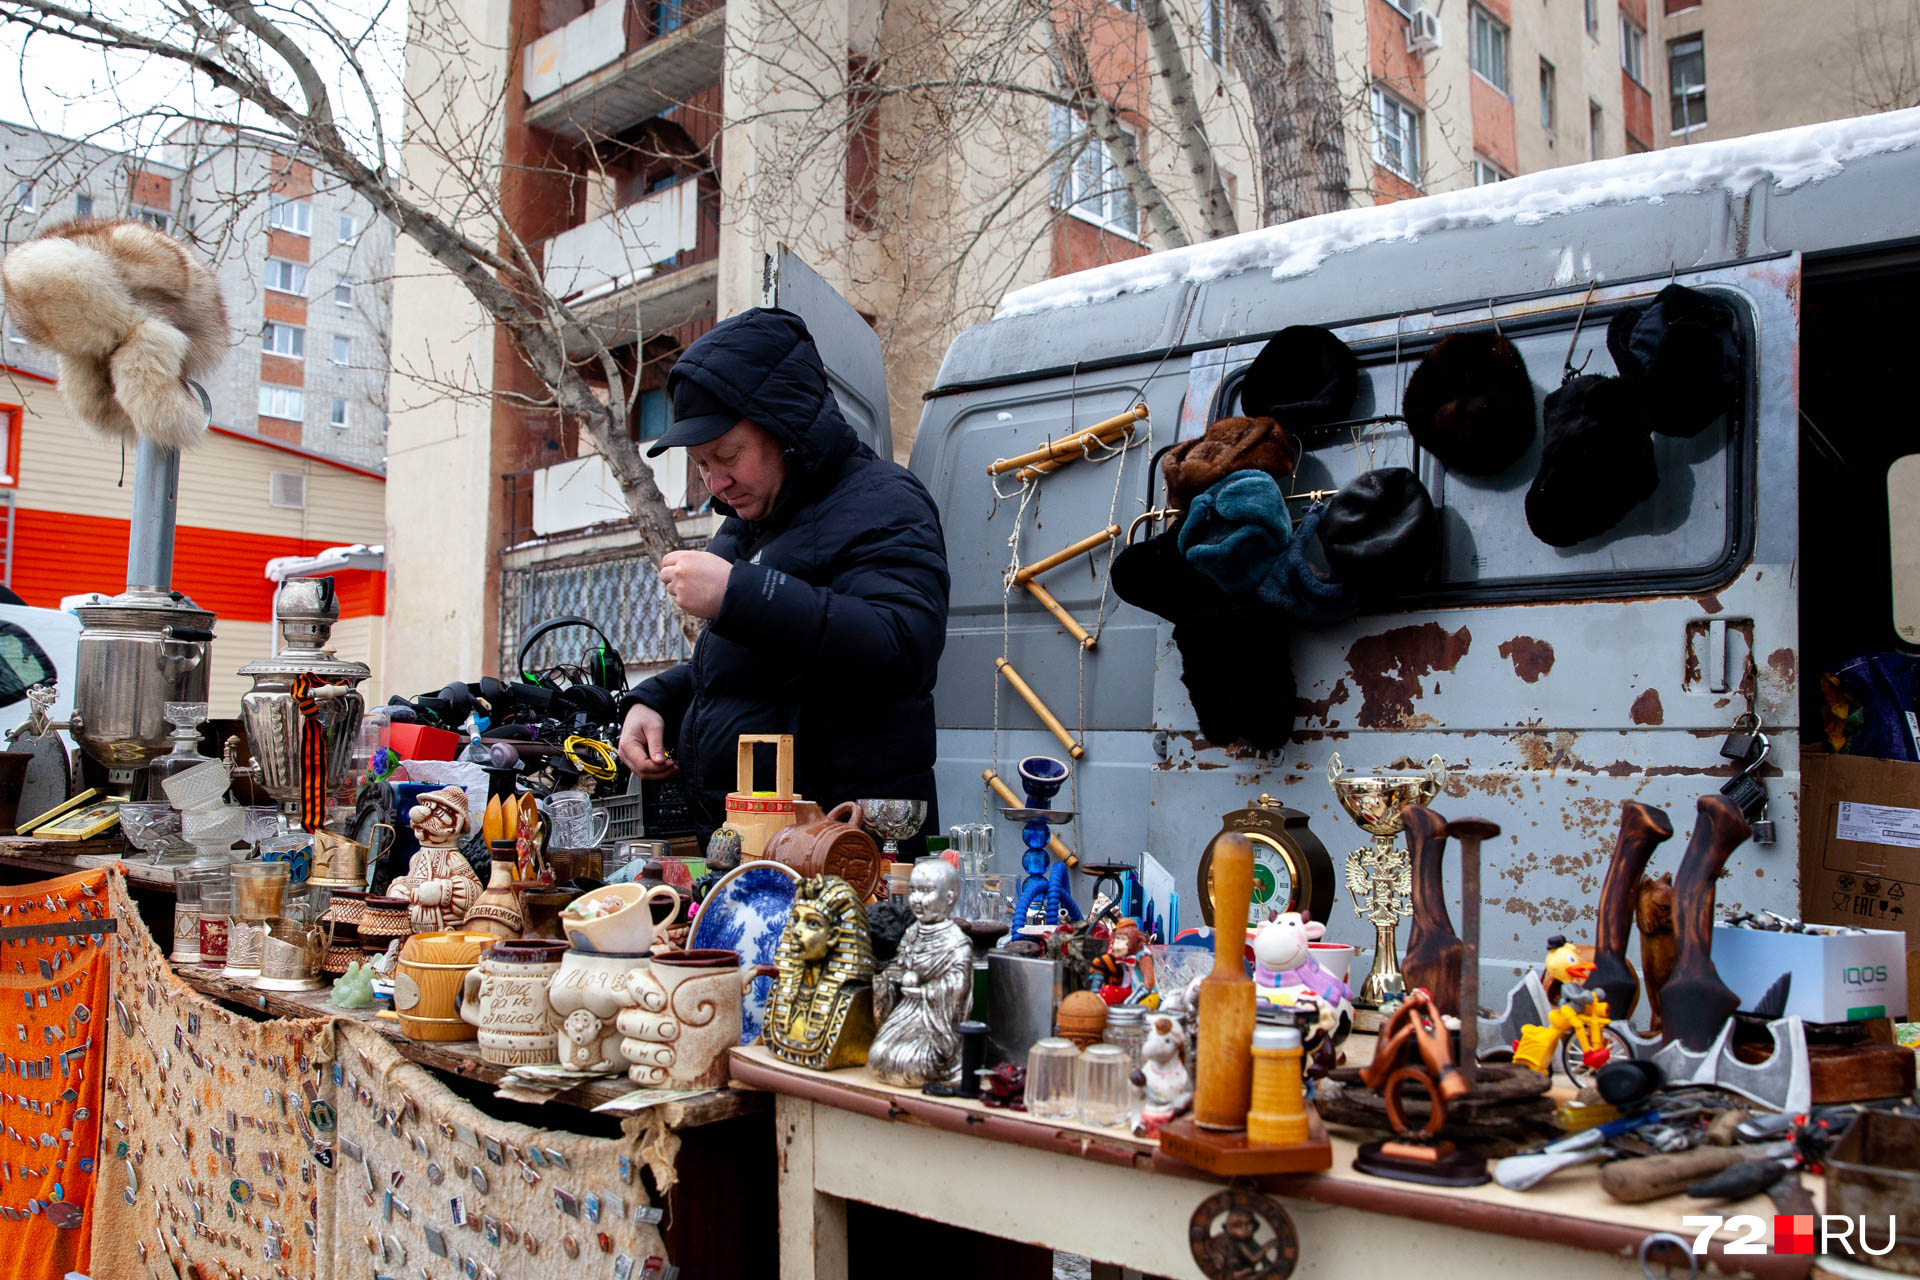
{"x":1223,"y":1081}
{"x":1650,"y":1177}
{"x":1695,"y":1003}
{"x":1432,"y":959}
{"x":1642,"y":829}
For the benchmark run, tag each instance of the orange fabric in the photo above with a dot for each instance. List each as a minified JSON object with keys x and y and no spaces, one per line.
{"x":44,"y":1189}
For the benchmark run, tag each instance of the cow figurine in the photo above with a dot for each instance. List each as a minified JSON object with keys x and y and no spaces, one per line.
{"x":1283,"y":960}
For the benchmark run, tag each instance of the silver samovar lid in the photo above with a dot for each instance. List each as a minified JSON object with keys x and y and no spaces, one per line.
{"x":142,"y":608}
{"x":305,"y":610}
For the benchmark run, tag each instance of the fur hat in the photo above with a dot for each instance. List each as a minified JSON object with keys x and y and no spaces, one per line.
{"x":1686,"y":345}
{"x":1299,"y":589}
{"x":1229,"y":445}
{"x":1235,"y":532}
{"x":1154,"y":576}
{"x":130,"y":314}
{"x":1470,"y":404}
{"x":1238,"y":670}
{"x":1380,"y":532}
{"x":1304,"y":376}
{"x":1596,"y":463}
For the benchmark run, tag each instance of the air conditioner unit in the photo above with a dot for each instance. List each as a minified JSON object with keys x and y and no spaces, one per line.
{"x":1423,"y":30}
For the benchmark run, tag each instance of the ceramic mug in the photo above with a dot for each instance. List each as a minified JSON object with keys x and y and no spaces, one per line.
{"x":586,"y":995}
{"x":686,"y":1016}
{"x":505,"y":996}
{"x":1335,"y":957}
{"x":628,"y":930}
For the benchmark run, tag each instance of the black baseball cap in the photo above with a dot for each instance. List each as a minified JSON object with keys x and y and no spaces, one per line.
{"x":698,"y":417}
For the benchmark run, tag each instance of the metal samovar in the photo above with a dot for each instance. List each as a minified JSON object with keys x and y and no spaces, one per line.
{"x":305,"y":610}
{"x":139,"y":651}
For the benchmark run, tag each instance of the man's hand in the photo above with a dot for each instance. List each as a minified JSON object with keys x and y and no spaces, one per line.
{"x":696,"y":581}
{"x":643,"y":737}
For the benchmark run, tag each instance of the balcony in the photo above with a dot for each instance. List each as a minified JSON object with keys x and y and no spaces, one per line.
{"x":644,"y":267}
{"x":613,"y":67}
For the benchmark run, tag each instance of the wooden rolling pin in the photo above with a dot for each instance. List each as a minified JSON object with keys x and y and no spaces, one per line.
{"x":1223,"y":1081}
{"x":1005,"y":792}
{"x":1069,"y":447}
{"x":1642,"y":829}
{"x":1032,"y":699}
{"x":1650,"y":1177}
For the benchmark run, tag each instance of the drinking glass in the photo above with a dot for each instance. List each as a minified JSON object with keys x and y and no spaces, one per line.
{"x":259,"y":889}
{"x":1105,"y":1096}
{"x":1053,"y":1084}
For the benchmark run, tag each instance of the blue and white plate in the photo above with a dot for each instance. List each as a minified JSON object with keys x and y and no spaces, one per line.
{"x":747,"y":911}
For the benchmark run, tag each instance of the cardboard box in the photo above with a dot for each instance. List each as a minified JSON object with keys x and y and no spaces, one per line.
{"x":1835,"y":977}
{"x":1860,"y":846}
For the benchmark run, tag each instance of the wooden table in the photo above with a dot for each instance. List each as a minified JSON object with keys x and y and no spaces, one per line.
{"x":1118,"y":1201}
{"x":64,"y":857}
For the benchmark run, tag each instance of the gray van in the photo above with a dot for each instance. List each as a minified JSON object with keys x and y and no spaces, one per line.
{"x":1554,"y":683}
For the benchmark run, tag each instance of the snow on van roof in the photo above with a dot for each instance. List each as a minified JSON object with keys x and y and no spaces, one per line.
{"x":1788,"y":158}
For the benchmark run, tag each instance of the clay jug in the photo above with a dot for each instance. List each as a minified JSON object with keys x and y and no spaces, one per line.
{"x":833,"y":844}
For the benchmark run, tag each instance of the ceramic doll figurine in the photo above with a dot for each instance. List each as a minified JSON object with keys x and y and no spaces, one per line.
{"x":926,"y":989}
{"x":439,"y":886}
{"x":1163,"y":1075}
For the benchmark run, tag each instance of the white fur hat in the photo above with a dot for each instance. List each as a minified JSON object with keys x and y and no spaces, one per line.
{"x":130,"y":314}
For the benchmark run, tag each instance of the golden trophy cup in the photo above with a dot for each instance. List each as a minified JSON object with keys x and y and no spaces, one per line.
{"x":1380,"y":876}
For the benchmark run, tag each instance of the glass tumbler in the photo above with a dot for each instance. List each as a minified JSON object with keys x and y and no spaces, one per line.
{"x":259,"y":889}
{"x":1105,"y":1094}
{"x":186,"y":917}
{"x":216,"y":914}
{"x":1053,"y":1084}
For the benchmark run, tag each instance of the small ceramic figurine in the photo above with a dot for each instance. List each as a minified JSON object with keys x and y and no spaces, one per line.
{"x":1004,"y":1087}
{"x":927,"y":988}
{"x":1163,"y":1074}
{"x":1283,"y":959}
{"x":439,"y":886}
{"x":354,"y":989}
{"x":821,"y":1012}
{"x":1127,"y":966}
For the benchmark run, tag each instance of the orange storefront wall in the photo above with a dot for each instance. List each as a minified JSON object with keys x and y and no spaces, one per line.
{"x":58,"y":554}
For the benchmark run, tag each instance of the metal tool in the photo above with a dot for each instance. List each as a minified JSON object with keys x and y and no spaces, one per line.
{"x":1589,"y":1146}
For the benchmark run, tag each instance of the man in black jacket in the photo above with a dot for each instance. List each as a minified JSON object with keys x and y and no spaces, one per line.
{"x":825,"y":588}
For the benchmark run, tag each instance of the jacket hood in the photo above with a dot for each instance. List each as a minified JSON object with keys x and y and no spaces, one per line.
{"x":763,"y":364}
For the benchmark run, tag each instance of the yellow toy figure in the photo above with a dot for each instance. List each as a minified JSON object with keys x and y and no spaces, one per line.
{"x":1587,"y":1022}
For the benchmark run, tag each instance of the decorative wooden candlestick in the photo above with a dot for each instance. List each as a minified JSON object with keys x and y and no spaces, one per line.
{"x":1433,"y":949}
{"x":1224,"y":1083}
{"x":1695,"y":1003}
{"x":1642,"y":829}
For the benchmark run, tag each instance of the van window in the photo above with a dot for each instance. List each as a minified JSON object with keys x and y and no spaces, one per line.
{"x":1690,"y":535}
{"x":23,"y":664}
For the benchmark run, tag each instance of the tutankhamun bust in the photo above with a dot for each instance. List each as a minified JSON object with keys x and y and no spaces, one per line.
{"x":821,"y":1012}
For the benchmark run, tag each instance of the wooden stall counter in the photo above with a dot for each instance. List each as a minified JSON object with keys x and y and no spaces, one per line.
{"x":1118,"y":1200}
{"x":36,"y":858}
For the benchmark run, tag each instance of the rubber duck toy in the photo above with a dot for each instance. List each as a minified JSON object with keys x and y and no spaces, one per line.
{"x":1564,"y":967}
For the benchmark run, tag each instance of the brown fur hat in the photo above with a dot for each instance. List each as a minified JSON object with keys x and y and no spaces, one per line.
{"x":130,"y":314}
{"x":1230,"y":444}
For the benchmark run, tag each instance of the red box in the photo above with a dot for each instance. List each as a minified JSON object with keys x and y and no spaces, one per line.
{"x":422,"y":742}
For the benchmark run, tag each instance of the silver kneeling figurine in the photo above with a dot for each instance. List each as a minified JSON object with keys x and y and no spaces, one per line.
{"x":926,"y":989}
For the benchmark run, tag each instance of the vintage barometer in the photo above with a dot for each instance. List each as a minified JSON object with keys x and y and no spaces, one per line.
{"x":1291,"y":869}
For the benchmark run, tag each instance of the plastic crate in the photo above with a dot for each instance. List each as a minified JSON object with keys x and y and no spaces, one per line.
{"x":626,"y":818}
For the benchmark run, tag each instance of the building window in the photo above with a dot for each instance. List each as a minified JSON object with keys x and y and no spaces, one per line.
{"x":1487,"y":52}
{"x":1687,"y":83}
{"x":1486,"y":171}
{"x":23,"y":197}
{"x":287,"y":489}
{"x":349,"y":228}
{"x":343,"y":293}
{"x":1547,"y":94}
{"x":287,"y":277}
{"x":1633,"y":50}
{"x":654,"y":414}
{"x":1593,"y":18}
{"x":1396,"y":135}
{"x":282,"y":402}
{"x":1213,"y":31}
{"x":152,"y":217}
{"x":284,"y":340}
{"x":1595,"y":122}
{"x":337,"y":414}
{"x":1089,"y":182}
{"x":291,"y":215}
{"x":342,"y":349}
{"x":83,"y":206}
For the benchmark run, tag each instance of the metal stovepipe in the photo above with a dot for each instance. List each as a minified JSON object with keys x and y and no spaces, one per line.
{"x":156,"y":492}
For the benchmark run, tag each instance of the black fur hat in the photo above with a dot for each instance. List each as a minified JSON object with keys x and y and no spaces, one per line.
{"x":1304,"y":377}
{"x":1470,"y":404}
{"x":1380,"y":532}
{"x":1596,"y":463}
{"x":1685,"y":345}
{"x":1238,"y":670}
{"x":1154,"y":575}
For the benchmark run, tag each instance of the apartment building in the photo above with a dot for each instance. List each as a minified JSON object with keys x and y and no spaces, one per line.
{"x":653,"y":153}
{"x":305,"y":266}
{"x":1450,"y":93}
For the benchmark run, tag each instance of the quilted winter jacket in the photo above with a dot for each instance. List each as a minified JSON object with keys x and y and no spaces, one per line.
{"x":836,"y":610}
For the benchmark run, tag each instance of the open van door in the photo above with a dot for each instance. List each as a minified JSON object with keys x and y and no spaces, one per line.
{"x":848,"y":345}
